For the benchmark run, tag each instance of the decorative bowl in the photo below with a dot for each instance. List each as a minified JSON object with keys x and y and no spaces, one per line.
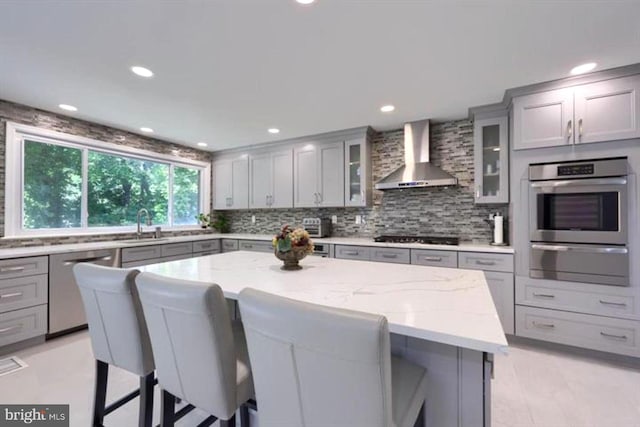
{"x":292,"y":257}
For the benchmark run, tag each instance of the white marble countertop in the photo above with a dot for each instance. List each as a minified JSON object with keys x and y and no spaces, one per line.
{"x":445,"y":305}
{"x":357,"y":241}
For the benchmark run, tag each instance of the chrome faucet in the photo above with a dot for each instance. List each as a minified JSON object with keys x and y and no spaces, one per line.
{"x":140,"y":213}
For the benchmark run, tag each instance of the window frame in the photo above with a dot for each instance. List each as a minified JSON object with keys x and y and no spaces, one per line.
{"x":16,"y":134}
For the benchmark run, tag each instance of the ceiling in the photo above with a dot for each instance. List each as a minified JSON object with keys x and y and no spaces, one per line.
{"x":227,"y":70}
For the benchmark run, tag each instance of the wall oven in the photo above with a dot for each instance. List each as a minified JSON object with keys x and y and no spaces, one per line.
{"x":578,"y":221}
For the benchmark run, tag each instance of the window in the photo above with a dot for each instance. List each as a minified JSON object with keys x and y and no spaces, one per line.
{"x":64,"y":184}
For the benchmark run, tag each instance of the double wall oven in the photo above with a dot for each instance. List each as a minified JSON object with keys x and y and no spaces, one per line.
{"x":578,"y":221}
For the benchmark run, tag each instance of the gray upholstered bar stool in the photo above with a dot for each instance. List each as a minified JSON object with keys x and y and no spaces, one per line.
{"x":316,"y":366}
{"x":201,"y":355}
{"x":118,"y":334}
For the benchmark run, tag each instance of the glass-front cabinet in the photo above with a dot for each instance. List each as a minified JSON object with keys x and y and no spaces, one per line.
{"x":491,"y":160}
{"x":357,"y":155}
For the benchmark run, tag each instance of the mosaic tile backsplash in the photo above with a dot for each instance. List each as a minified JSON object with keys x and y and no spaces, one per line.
{"x":430,"y":211}
{"x":23,"y":114}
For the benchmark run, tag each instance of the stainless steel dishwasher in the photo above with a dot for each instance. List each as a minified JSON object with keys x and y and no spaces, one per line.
{"x":66,"y":311}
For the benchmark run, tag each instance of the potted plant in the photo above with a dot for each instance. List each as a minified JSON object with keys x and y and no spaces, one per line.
{"x":222,"y":223}
{"x":291,"y":245}
{"x":204,"y":220}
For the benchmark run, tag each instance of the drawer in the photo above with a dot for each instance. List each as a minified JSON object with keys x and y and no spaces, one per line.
{"x":581,"y":330}
{"x":20,"y":325}
{"x":399,"y":256}
{"x":20,"y":267}
{"x":485,"y":261}
{"x":140,"y":253}
{"x":353,"y":252}
{"x":434,"y":258}
{"x":174,"y":249}
{"x":206,"y":246}
{"x":229,"y":245}
{"x":546,"y":294}
{"x":198,"y":254}
{"x":501,"y":288}
{"x":256,"y":245}
{"x":23,"y":292}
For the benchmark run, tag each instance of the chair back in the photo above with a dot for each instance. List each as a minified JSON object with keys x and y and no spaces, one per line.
{"x":192,"y":338}
{"x":117,"y":327}
{"x":315,"y":366}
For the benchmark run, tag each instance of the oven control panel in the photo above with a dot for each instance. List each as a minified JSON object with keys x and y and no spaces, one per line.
{"x":581,"y":169}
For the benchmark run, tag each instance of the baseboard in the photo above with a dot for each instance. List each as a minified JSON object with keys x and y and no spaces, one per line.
{"x":12,"y":348}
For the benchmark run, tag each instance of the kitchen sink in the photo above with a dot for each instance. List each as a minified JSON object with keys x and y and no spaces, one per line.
{"x":142,"y":241}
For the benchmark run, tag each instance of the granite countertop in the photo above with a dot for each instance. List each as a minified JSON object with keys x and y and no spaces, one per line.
{"x":445,"y":305}
{"x":357,"y":241}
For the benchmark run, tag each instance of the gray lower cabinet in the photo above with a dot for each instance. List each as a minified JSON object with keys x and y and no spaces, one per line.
{"x":485,"y":261}
{"x":434,"y":258}
{"x":229,"y":245}
{"x":394,"y":255}
{"x":601,"y":333}
{"x":206,"y":246}
{"x":140,"y":253}
{"x":175,"y":249}
{"x":361,"y":253}
{"x":256,"y":245}
{"x":24,"y":287}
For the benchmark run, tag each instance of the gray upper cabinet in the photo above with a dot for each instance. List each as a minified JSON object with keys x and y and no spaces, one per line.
{"x":491,"y":158}
{"x":357,"y":172}
{"x":318,"y":175}
{"x":271,"y":180}
{"x":231,"y":183}
{"x":596,"y":112}
{"x":608,"y":110}
{"x":543,"y":119}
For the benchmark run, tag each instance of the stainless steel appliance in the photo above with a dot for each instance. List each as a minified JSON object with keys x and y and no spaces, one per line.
{"x":578,"y":222}
{"x":323,"y":250}
{"x":430,"y":240}
{"x":317,"y":227}
{"x":66,"y":311}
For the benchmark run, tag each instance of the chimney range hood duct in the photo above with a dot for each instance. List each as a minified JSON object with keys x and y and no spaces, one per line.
{"x":417,"y":171}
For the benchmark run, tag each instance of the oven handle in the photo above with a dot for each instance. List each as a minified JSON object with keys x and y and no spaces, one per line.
{"x":565,"y":248}
{"x":579,"y":182}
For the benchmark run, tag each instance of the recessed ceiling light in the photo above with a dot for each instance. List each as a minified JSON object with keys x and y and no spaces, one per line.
{"x":141,"y":71}
{"x":274,"y":130}
{"x":146,"y":130}
{"x":387,"y":108}
{"x":202,"y":144}
{"x":68,"y":107}
{"x":583,"y":68}
{"x":305,"y":1}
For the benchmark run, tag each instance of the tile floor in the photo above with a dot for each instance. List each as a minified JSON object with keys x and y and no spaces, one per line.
{"x":532,"y":387}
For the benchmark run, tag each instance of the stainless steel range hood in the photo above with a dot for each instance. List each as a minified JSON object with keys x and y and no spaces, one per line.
{"x":417,"y":171}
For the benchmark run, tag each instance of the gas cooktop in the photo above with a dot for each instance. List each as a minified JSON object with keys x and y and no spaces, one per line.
{"x":431,"y":240}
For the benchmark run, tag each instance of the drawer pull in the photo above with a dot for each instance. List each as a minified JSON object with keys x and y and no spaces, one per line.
{"x":615,"y":304}
{"x":248,"y":246}
{"x":480,"y":262}
{"x":543,"y":295}
{"x":15,"y":294}
{"x":205,"y":246}
{"x":544,"y":325}
{"x":10,"y":328}
{"x":389,"y":255}
{"x":617,"y":337}
{"x":12,"y":269}
{"x":351,"y":253}
{"x":141,"y":251}
{"x":433,"y":258}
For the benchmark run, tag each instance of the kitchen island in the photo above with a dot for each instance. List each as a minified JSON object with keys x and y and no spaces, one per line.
{"x":443,"y":319}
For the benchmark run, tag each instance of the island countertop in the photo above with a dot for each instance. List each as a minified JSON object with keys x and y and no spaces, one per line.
{"x":449,"y":306}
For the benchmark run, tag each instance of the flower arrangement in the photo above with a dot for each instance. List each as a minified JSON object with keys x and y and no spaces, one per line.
{"x":292,"y":239}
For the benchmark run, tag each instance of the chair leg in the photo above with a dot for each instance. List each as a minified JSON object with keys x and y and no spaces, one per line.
{"x":168,"y":408}
{"x":145,"y":417}
{"x":231,"y":422}
{"x":244,"y":416}
{"x":100,"y":397}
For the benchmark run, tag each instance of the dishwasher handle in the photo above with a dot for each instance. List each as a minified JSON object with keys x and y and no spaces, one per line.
{"x":92,"y":259}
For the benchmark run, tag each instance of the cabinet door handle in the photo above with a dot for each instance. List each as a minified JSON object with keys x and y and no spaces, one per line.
{"x":389,"y":255}
{"x":320,"y":198}
{"x":12,"y":269}
{"x":569,"y":129}
{"x":266,"y":202}
{"x":544,"y":325}
{"x":615,"y":304}
{"x":433,"y":258}
{"x":481,"y":262}
{"x":551,"y":296}
{"x":617,"y":337}
{"x":580,"y":129}
{"x":10,"y":328}
{"x":92,"y":259}
{"x":11,"y":295}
